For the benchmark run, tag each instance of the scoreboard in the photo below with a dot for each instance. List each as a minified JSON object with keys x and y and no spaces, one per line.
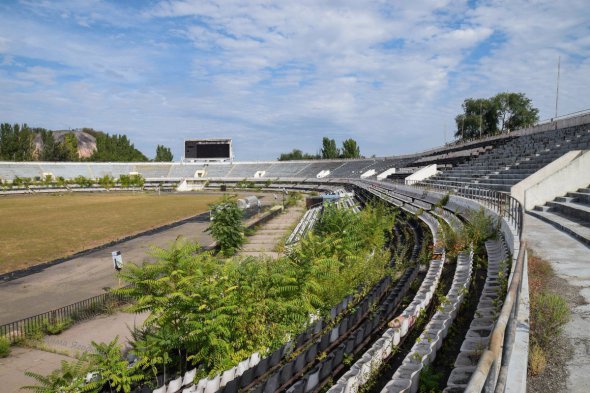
{"x":207,"y":149}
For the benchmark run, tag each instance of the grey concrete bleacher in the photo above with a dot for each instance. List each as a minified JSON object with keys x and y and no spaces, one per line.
{"x":67,"y":171}
{"x":153,"y":170}
{"x":217,"y":169}
{"x":352,"y":168}
{"x":570,"y":213}
{"x":9,"y":170}
{"x":246,"y":170}
{"x":314,"y":168}
{"x":285,"y":169}
{"x":515,"y":160}
{"x":182,"y":170}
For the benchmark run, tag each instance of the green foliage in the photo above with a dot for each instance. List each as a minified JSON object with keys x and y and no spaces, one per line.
{"x":163,"y":154}
{"x":430,"y":381}
{"x":127,"y":181}
{"x":49,"y":327}
{"x":54,"y":150}
{"x":549,"y":313}
{"x":16,"y":142}
{"x":69,"y":378}
{"x":106,"y":181}
{"x":227,"y":228}
{"x":83,"y":181}
{"x":217,"y":312}
{"x":106,"y":360}
{"x":503,"y":112}
{"x":297,"y":154}
{"x":4,"y":347}
{"x":292,"y":198}
{"x":350,"y":149}
{"x":329,"y":149}
{"x":115,"y":148}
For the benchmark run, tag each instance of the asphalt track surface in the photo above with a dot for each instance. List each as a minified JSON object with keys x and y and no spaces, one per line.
{"x":85,"y":276}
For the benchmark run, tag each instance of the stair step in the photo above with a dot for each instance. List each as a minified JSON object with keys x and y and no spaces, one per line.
{"x":565,"y":199}
{"x":579,"y":230}
{"x":542,"y":208}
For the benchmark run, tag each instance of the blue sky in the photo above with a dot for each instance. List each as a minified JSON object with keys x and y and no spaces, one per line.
{"x":278,"y":75}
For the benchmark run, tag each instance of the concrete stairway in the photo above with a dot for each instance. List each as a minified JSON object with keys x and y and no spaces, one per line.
{"x":570,"y":213}
{"x":264,"y":242}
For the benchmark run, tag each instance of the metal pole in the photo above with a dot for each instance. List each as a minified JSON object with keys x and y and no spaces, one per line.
{"x":557,"y":92}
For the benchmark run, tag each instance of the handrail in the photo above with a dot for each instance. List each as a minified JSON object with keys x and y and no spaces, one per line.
{"x":489,"y":363}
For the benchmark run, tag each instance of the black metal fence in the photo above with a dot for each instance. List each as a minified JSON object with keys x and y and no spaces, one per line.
{"x":79,"y":311}
{"x":503,"y":203}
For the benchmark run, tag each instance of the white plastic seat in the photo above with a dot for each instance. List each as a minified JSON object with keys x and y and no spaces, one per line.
{"x":174,"y":385}
{"x":189,"y":377}
{"x":161,"y":389}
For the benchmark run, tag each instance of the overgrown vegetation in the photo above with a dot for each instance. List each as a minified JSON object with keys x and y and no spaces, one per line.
{"x":226,"y":226}
{"x":4,"y":347}
{"x":549,"y":312}
{"x":211,"y":313}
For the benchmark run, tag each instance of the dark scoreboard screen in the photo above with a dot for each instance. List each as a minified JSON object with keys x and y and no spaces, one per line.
{"x":206,"y":150}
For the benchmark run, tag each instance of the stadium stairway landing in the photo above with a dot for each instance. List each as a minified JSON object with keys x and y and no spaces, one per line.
{"x":569,"y":259}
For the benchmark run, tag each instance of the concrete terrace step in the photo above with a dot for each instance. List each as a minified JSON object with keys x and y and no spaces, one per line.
{"x":573,"y":210}
{"x":578,"y":229}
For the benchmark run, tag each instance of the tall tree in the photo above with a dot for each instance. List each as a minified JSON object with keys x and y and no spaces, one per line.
{"x":501,"y":113}
{"x":16,"y":142}
{"x":163,"y":154}
{"x":350,"y":149}
{"x":329,"y":149}
{"x":479,"y":118}
{"x":515,"y":111}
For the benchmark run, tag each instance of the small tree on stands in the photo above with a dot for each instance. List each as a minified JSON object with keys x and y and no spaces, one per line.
{"x":226,"y":225}
{"x":350,"y":149}
{"x":163,"y":154}
{"x":329,"y":149}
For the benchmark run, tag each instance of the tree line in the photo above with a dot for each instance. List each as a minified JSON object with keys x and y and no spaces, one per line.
{"x":329,"y":150}
{"x":501,"y":113}
{"x":19,"y":142}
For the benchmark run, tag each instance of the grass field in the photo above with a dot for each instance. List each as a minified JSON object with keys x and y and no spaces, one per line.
{"x":40,"y":228}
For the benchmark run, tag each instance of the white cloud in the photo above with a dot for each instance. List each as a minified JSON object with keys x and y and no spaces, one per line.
{"x":283,"y":74}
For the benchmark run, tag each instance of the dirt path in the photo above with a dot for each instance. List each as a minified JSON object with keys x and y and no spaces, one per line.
{"x":73,"y":341}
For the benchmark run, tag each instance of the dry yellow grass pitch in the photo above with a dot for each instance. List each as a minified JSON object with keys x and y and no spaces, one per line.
{"x":40,"y":228}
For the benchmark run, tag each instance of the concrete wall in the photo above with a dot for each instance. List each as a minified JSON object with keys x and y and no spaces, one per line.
{"x":567,"y":173}
{"x":421,"y":174}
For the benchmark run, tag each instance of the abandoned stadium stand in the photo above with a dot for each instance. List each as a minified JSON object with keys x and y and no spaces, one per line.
{"x":496,"y":163}
{"x":508,"y":163}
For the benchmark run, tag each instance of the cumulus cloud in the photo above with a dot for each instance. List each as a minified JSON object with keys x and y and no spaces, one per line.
{"x":279,"y":75}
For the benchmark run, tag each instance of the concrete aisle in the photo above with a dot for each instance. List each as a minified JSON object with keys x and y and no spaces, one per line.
{"x":570,"y":261}
{"x":75,"y":340}
{"x":267,"y":237}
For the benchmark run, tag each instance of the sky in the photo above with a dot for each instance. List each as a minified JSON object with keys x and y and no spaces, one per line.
{"x":278,"y":75}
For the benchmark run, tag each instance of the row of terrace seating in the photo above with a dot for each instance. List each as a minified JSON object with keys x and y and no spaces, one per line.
{"x":499,"y":169}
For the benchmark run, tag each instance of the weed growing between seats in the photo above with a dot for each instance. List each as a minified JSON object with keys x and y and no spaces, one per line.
{"x":211,"y":313}
{"x":388,"y":369}
{"x":445,"y":358}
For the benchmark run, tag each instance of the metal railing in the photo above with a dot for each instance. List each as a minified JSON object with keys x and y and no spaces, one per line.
{"x":79,"y":311}
{"x":503,"y":203}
